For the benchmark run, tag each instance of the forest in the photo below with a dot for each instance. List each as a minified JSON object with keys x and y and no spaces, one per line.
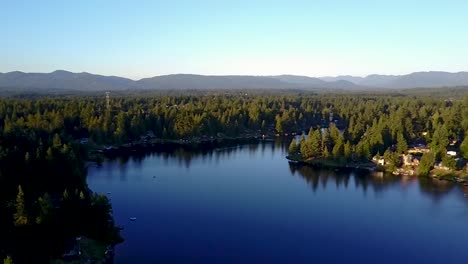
{"x":44,"y":144}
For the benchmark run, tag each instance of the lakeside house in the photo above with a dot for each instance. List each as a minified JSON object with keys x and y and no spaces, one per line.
{"x":441,"y":166}
{"x":420,"y":148}
{"x":452,"y":153}
{"x":410,"y":160}
{"x":379,"y":160}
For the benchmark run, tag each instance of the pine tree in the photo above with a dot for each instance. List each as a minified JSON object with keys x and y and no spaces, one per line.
{"x":45,"y":209}
{"x":316,"y":143}
{"x":49,"y":154}
{"x":464,"y":147}
{"x":326,"y":153}
{"x":402,"y":146}
{"x":327,"y":140}
{"x":8,"y":260}
{"x":279,"y":124}
{"x":334,"y":133}
{"x":20,"y":216}
{"x":338,"y":148}
{"x":56,"y":142}
{"x":427,"y":161}
{"x":293,"y":147}
{"x":449,"y":162}
{"x":303,"y":146}
{"x":65,"y":195}
{"x":347,"y":150}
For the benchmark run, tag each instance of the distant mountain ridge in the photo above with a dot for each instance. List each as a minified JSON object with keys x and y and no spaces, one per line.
{"x":84,"y":81}
{"x":417,"y":79}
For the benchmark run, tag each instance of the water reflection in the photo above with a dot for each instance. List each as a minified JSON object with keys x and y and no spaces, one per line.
{"x":376,"y":181}
{"x":316,"y":178}
{"x":184,"y":197}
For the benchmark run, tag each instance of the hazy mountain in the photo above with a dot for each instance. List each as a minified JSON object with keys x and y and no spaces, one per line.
{"x":349,"y":78}
{"x":64,"y":80}
{"x":431,"y":79}
{"x":417,"y":79}
{"x":305,"y":80}
{"x":192,"y":81}
{"x":91,"y":82}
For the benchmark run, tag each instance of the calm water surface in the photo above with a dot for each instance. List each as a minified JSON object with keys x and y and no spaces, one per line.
{"x":248,"y":205}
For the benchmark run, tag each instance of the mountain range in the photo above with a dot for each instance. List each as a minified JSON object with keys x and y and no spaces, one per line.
{"x":91,"y":82}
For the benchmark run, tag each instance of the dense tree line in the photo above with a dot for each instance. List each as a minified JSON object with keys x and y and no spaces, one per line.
{"x":367,"y":124}
{"x":43,"y":134}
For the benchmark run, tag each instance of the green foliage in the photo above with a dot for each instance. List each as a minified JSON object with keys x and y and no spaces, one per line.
{"x":20,"y":216}
{"x":56,"y":141}
{"x":338,"y":149}
{"x":292,"y":147}
{"x":326,"y":153}
{"x":392,"y":159}
{"x":42,"y":135}
{"x":449,"y":162}
{"x":440,"y":140}
{"x":426,"y":164}
{"x":303,"y":147}
{"x":314,"y":140}
{"x":464,"y":147}
{"x":65,"y":195}
{"x":347,"y":151}
{"x":8,"y":260}
{"x":45,"y":209}
{"x":402,"y":146}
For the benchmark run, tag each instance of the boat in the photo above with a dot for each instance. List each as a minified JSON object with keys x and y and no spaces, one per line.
{"x":132,"y":219}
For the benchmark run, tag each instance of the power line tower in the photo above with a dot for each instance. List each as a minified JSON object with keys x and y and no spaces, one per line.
{"x":108,"y":100}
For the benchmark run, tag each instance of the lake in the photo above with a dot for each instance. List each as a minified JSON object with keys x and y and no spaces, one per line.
{"x":247,"y":204}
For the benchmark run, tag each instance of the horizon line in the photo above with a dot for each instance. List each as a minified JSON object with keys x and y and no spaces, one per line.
{"x":251,"y":75}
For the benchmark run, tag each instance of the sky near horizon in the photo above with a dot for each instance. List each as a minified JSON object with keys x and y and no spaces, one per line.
{"x":137,"y":39}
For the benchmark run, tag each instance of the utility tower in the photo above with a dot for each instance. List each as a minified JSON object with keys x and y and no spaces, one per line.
{"x":108,"y":100}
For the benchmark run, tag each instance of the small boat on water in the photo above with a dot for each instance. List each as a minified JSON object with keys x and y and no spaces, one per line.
{"x":132,"y":219}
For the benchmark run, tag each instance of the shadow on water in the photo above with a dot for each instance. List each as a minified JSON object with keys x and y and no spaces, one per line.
{"x":315,"y":177}
{"x":375,"y":181}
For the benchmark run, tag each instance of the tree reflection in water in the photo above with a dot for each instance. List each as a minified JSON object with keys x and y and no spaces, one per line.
{"x":315,"y":177}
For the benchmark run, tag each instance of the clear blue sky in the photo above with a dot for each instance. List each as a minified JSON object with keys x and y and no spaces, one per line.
{"x":146,"y":38}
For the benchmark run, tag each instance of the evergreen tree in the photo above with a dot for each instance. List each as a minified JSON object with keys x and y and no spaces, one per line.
{"x":464,"y":147}
{"x":8,"y":260}
{"x":402,"y":146}
{"x":426,"y":164}
{"x":56,"y":141}
{"x":20,"y":216}
{"x":279,"y":124}
{"x":82,"y":196}
{"x":440,"y":140}
{"x":304,"y":148}
{"x":449,"y":162}
{"x":334,"y":133}
{"x":315,"y":143}
{"x":65,"y":195}
{"x":45,"y":209}
{"x":293,"y":147}
{"x":49,"y":154}
{"x":326,"y":153}
{"x":338,"y":149}
{"x":347,"y":151}
{"x":327,"y":141}
{"x":392,"y":159}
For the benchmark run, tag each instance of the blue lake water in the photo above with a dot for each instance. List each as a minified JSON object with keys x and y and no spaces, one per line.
{"x":248,"y":205}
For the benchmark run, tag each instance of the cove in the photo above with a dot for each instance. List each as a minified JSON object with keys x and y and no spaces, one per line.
{"x":247,"y":204}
